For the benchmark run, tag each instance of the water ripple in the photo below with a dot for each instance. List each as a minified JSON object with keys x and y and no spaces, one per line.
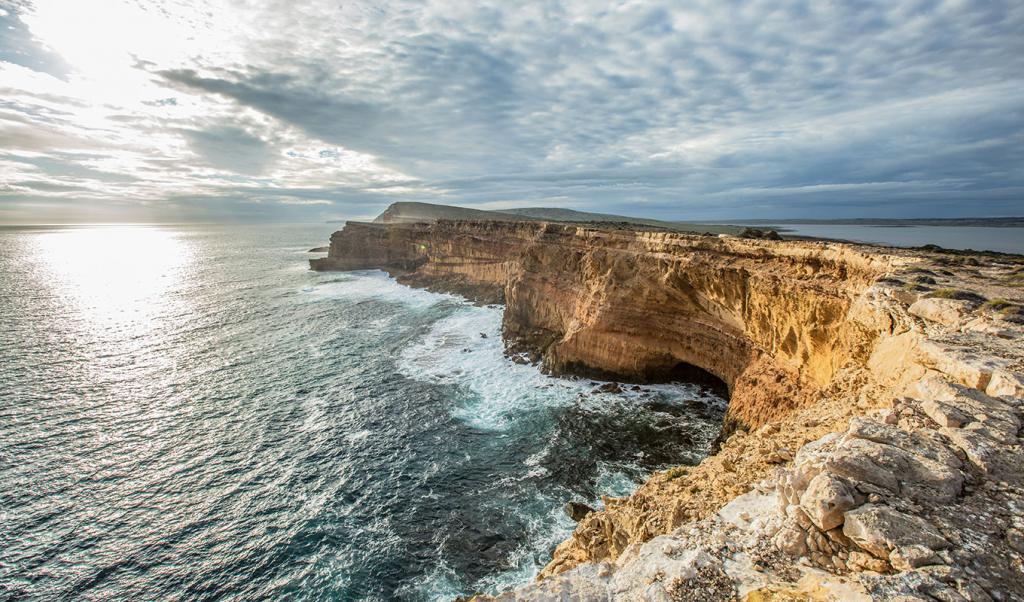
{"x":191,"y":415}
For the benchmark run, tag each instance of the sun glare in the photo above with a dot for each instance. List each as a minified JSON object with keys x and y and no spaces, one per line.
{"x":116,"y":276}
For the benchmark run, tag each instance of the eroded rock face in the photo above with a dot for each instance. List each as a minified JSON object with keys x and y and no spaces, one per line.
{"x":772,"y":320}
{"x":881,"y":530}
{"x":880,"y":434}
{"x":950,"y":312}
{"x":876,"y":543}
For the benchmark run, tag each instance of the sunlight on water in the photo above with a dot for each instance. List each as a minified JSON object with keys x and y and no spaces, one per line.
{"x":115,"y":277}
{"x":190,"y":414}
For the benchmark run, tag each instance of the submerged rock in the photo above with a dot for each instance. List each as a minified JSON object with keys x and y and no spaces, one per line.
{"x":577,"y":511}
{"x":610,"y":388}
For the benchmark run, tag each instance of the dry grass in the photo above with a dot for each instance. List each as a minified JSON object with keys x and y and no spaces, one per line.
{"x":998,"y":304}
{"x":952,"y":293}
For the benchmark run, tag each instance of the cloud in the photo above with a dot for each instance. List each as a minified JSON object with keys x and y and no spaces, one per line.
{"x":19,"y":46}
{"x":700,"y":109}
{"x":231,"y":149}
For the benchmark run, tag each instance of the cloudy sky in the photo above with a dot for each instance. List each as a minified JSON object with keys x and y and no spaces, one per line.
{"x":177,"y":110}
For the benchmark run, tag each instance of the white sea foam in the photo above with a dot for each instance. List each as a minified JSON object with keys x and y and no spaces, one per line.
{"x":372,"y":284}
{"x":357,"y":436}
{"x":545,"y":529}
{"x":441,"y":584}
{"x":613,"y":482}
{"x":454,"y":352}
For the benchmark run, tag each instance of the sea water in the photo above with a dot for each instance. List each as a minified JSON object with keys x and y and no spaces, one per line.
{"x":190,"y":413}
{"x":978,"y":238}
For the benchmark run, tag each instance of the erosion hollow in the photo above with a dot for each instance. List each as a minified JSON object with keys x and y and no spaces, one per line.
{"x":771,"y":322}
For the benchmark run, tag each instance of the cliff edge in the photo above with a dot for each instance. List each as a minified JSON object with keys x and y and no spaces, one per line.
{"x":874,"y":402}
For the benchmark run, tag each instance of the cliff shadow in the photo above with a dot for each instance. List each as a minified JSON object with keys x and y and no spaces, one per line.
{"x":678,"y":372}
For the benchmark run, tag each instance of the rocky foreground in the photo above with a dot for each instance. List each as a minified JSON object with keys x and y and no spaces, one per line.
{"x":872,"y":447}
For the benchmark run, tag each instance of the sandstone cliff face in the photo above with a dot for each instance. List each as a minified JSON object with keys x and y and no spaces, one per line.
{"x":771,"y":320}
{"x":874,"y":423}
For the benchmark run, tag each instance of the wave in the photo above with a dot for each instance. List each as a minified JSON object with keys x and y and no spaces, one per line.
{"x":373,"y":285}
{"x":465,"y":349}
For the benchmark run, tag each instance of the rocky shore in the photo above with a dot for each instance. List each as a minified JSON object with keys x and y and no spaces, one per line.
{"x":871,"y":449}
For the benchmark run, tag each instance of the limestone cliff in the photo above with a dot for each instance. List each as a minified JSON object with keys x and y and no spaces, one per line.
{"x":806,"y":336}
{"x":771,"y":320}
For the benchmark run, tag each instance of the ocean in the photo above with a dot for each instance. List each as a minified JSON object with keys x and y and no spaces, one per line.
{"x":189,"y":413}
{"x":978,"y":238}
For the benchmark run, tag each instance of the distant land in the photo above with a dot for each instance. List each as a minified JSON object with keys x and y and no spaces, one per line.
{"x":419,"y":212}
{"x":988,"y":222}
{"x":793,"y":229}
{"x":427,"y":212}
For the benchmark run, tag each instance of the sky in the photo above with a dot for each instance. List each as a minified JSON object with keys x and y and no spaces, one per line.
{"x":210,"y":110}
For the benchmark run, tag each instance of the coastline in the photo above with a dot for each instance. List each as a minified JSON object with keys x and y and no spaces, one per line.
{"x":807,"y":336}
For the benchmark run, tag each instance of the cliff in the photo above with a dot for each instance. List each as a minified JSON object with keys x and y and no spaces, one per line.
{"x":805,"y":336}
{"x":771,"y":322}
{"x":411,"y":212}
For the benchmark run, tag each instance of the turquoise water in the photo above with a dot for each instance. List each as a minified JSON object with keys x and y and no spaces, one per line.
{"x":191,"y":414}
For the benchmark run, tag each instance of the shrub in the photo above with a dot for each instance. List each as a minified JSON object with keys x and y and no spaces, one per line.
{"x":952,"y":293}
{"x":998,"y":304}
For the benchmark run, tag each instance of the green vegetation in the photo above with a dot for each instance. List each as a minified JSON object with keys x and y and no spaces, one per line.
{"x":675,"y":472}
{"x":952,"y":293}
{"x":998,"y":304}
{"x":1005,"y":307}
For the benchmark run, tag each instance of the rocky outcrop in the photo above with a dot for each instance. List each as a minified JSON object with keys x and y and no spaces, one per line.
{"x":872,"y":444}
{"x":774,"y":322}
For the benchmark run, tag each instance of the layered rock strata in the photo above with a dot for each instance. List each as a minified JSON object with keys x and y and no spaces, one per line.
{"x":872,"y":445}
{"x":773,"y":322}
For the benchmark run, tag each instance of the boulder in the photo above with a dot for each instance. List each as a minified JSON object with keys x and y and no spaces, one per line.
{"x":906,"y":558}
{"x":962,"y":365}
{"x":867,"y":562}
{"x":924,"y":442}
{"x":826,"y":499}
{"x":808,"y":462}
{"x":970,"y":405}
{"x":792,"y":540}
{"x":1005,"y":383}
{"x":949,"y":312}
{"x":945,"y":414}
{"x":896,"y":470}
{"x":977,"y":442}
{"x":880,"y":530}
{"x":577,"y":511}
